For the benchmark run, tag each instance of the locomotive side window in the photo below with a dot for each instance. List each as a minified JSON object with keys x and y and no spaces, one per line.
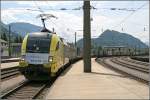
{"x":57,"y":46}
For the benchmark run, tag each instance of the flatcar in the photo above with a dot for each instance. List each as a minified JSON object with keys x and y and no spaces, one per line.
{"x":43,"y":55}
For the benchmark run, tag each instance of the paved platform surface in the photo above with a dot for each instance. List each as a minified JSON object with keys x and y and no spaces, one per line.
{"x":102,"y":83}
{"x":8,"y":65}
{"x":7,"y":60}
{"x":10,"y":59}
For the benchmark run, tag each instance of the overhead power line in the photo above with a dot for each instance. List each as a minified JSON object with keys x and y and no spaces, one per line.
{"x":130,"y":15}
{"x":80,"y":8}
{"x":38,"y":7}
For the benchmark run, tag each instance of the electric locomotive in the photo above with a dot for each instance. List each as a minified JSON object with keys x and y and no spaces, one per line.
{"x":43,"y":55}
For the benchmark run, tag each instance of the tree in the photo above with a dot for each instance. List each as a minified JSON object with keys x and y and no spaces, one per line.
{"x":20,"y":39}
{"x":4,"y":37}
{"x":16,"y":39}
{"x":1,"y":36}
{"x":99,"y":50}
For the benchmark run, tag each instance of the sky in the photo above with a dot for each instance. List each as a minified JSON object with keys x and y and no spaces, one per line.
{"x":129,"y":17}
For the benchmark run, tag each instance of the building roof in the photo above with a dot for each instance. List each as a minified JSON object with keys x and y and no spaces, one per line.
{"x":114,"y":46}
{"x":3,"y":41}
{"x":16,"y":44}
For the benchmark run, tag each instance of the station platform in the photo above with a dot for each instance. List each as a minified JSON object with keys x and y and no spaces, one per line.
{"x":5,"y":60}
{"x":9,"y":65}
{"x":101,"y":83}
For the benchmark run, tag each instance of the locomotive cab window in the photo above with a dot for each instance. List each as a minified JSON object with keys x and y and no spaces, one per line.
{"x":38,"y":44}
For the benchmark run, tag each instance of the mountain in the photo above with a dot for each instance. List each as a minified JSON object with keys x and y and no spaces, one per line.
{"x":3,"y":25}
{"x":114,"y":38}
{"x":24,"y":28}
{"x":147,"y":43}
{"x":4,"y":32}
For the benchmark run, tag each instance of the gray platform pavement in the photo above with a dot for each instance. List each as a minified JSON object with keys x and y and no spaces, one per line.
{"x":6,"y":60}
{"x":101,"y":83}
{"x":9,"y":65}
{"x":9,"y":62}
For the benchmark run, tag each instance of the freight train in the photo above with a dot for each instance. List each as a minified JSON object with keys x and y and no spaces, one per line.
{"x":43,"y":55}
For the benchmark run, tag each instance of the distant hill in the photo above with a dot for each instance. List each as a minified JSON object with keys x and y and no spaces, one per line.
{"x":3,"y":25}
{"x":147,"y":43}
{"x":24,"y":28}
{"x":5,"y":33}
{"x":114,"y":38}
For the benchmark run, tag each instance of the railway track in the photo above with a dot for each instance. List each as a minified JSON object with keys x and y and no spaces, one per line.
{"x":141,"y":74}
{"x":26,"y":90}
{"x":141,"y":58}
{"x":136,"y":61}
{"x":130,"y":65}
{"x":9,"y":73}
{"x":32,"y":89}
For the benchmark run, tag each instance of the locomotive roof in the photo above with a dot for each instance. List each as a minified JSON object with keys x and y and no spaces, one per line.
{"x":40,"y":34}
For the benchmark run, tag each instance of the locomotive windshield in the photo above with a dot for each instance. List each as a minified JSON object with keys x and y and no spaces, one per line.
{"x":37,"y":44}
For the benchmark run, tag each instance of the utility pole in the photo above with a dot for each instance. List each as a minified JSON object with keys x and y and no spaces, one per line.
{"x":87,"y":37}
{"x":53,"y":30}
{"x":9,"y":46}
{"x":135,"y":50}
{"x":75,"y":42}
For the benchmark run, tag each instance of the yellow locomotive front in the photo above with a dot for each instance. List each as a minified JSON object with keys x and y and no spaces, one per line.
{"x":42,"y":53}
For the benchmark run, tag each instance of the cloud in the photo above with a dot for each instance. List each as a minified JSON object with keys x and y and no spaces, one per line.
{"x":49,"y":4}
{"x":69,"y":22}
{"x":8,"y":16}
{"x":66,"y":24}
{"x":17,"y":15}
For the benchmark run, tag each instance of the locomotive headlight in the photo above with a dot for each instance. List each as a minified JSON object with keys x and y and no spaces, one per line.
{"x":23,"y":57}
{"x":23,"y":63}
{"x":50,"y":59}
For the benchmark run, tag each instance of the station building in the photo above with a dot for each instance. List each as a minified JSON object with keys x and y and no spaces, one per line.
{"x":3,"y":47}
{"x":115,"y":51}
